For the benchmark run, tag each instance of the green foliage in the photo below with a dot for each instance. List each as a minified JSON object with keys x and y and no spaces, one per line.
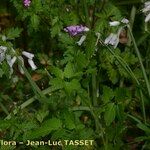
{"x":13,"y":33}
{"x":110,"y":113}
{"x":46,"y":128}
{"x":78,"y":92}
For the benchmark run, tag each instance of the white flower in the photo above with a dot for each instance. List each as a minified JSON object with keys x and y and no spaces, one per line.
{"x":31,"y":63}
{"x":86,"y":29}
{"x":112,"y":39}
{"x":28,"y":55}
{"x":30,"y":59}
{"x":147,"y":18}
{"x":82,"y":39}
{"x":146,"y":10}
{"x":2,"y":53}
{"x":10,"y":60}
{"x":124,"y":20}
{"x":114,"y":23}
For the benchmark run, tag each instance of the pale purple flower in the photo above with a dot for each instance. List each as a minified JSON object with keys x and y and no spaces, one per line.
{"x":26,"y":3}
{"x":74,"y":30}
{"x":125,"y":21}
{"x":112,"y":39}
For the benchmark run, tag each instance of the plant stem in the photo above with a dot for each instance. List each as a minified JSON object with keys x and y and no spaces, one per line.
{"x":4,"y":108}
{"x":29,"y":101}
{"x":36,"y":89}
{"x":140,"y":61}
{"x":128,"y":69}
{"x":86,"y":12}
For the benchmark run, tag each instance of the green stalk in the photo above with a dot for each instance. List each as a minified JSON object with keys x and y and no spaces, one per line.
{"x":94,"y":90}
{"x":128,"y":69}
{"x":34,"y":86}
{"x":28,"y":102}
{"x":4,"y":108}
{"x":140,"y":61}
{"x":86,"y":12}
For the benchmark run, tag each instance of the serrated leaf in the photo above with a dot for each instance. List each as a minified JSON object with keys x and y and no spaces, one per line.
{"x":35,"y":21}
{"x":57,"y":72}
{"x":69,"y":120}
{"x":110,"y":113}
{"x":73,"y":85}
{"x":46,"y":128}
{"x":57,"y":83}
{"x":68,"y":71}
{"x":41,"y":115}
{"x":13,"y":33}
{"x":108,"y":94}
{"x":81,"y":60}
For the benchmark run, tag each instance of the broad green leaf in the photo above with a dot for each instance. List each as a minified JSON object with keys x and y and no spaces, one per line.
{"x":81,"y":60}
{"x":110,"y":113}
{"x":73,"y":85}
{"x":143,"y":127}
{"x":108,"y":94}
{"x":57,"y":83}
{"x":46,"y":128}
{"x":13,"y":33}
{"x":57,"y":72}
{"x":69,"y":120}
{"x":68,"y":71}
{"x":35,"y":21}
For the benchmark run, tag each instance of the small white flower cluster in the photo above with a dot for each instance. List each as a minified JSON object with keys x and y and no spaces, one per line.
{"x":11,"y":60}
{"x":113,"y":38}
{"x":146,"y":10}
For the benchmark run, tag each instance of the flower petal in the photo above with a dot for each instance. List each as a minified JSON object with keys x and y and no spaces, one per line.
{"x":82,"y":39}
{"x":114,"y":23}
{"x":28,"y":55}
{"x":124,"y":20}
{"x":147,"y":18}
{"x":31,"y":63}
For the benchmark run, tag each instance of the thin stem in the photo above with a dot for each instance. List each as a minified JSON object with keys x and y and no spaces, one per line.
{"x":28,"y":102}
{"x":86,"y":12}
{"x":94,"y":90}
{"x":140,"y":60}
{"x":4,"y":108}
{"x":36,"y":89}
{"x":128,"y":69}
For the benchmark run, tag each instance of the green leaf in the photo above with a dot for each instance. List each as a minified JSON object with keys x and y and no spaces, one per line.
{"x":143,"y":127}
{"x":41,"y":115}
{"x":90,"y":45}
{"x":13,"y":33}
{"x":57,"y":72}
{"x":108,"y":94}
{"x":68,"y":71}
{"x":1,"y":73}
{"x":72,"y":86}
{"x":69,"y":120}
{"x":81,"y":60}
{"x":110,"y":113}
{"x":46,"y":128}
{"x":57,"y":83}
{"x":122,"y":94}
{"x":35,"y":21}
